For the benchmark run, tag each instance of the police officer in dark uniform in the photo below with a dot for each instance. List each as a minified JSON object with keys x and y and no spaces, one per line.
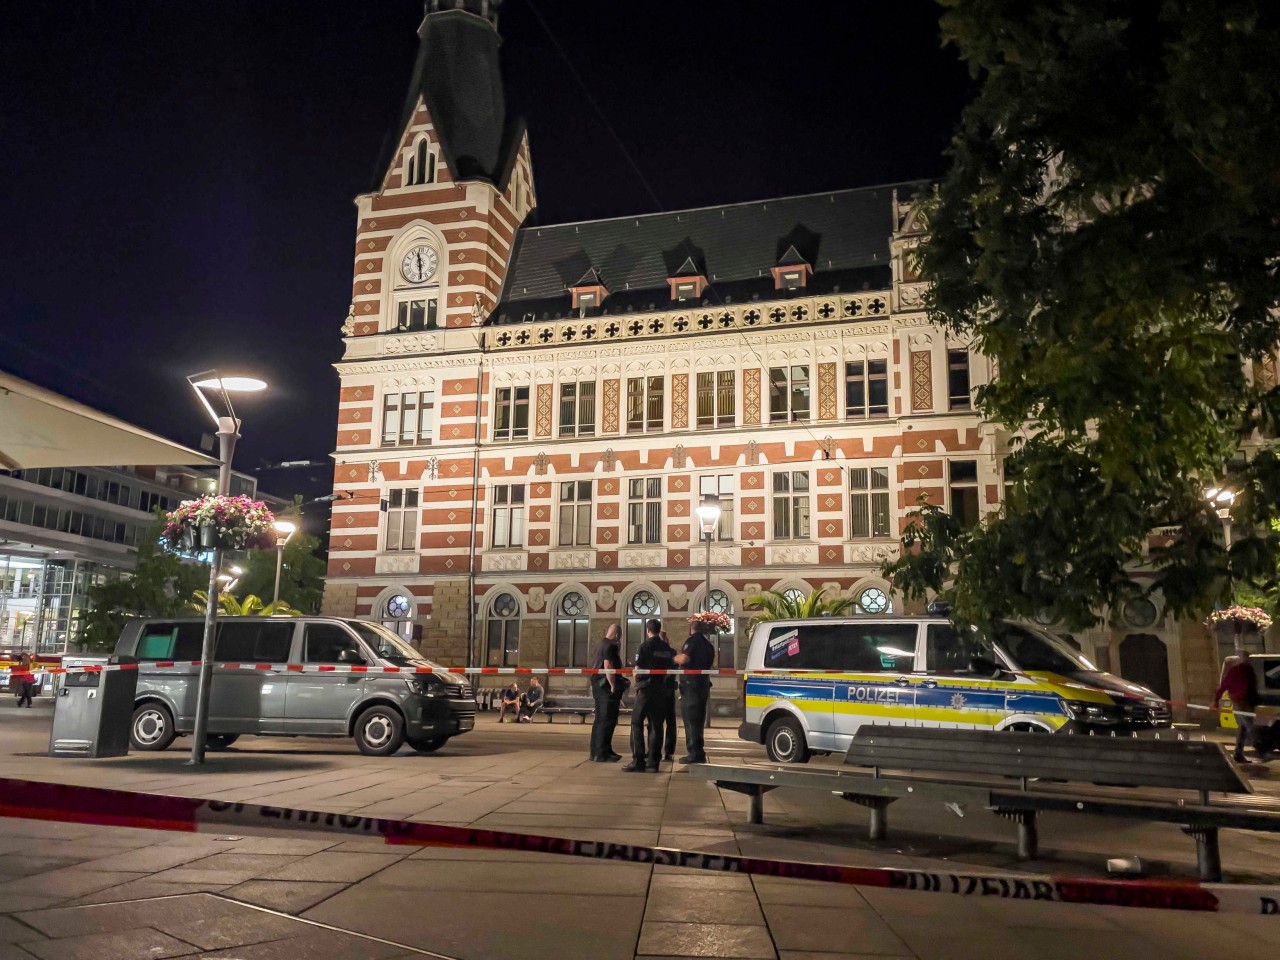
{"x":651,"y":704}
{"x":698,"y":653}
{"x":606,"y":689}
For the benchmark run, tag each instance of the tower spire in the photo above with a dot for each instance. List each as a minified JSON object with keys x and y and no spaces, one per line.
{"x":486,"y":9}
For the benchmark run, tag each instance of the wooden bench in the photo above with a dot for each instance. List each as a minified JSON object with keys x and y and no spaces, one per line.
{"x":582,"y":706}
{"x":1144,"y":779}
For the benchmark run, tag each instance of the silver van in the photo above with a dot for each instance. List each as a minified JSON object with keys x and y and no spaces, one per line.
{"x":380,"y":711}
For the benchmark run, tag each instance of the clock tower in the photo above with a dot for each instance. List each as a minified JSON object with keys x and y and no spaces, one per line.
{"x":433,"y":242}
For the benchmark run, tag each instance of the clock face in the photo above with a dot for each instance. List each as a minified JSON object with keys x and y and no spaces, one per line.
{"x":419,"y":264}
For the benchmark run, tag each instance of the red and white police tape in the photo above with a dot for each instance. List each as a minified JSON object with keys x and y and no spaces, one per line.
{"x":36,"y":800}
{"x":484,"y":671}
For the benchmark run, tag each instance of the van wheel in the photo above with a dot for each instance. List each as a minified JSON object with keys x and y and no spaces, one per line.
{"x":379,"y":732}
{"x":220,"y":741}
{"x":152,"y":727}
{"x":427,"y":744}
{"x":785,"y":742}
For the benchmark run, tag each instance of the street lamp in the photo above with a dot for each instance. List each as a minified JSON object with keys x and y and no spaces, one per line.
{"x":1221,"y":498}
{"x":228,"y":428}
{"x":284,"y":530}
{"x":229,"y":580}
{"x":708,"y":516}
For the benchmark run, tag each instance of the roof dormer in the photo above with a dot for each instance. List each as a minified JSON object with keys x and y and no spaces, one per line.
{"x":688,"y":282}
{"x":792,"y":271}
{"x":588,"y":293}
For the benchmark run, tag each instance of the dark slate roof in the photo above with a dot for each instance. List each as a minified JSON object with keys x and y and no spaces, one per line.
{"x":457,"y":76}
{"x":843,"y":234}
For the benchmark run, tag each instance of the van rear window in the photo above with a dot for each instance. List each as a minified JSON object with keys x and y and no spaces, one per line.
{"x":170,"y":641}
{"x":855,"y":647}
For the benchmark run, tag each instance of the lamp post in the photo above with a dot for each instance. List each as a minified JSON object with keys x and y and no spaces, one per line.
{"x":228,"y":430}
{"x":1222,"y":498}
{"x":284,"y":530}
{"x":708,"y":516}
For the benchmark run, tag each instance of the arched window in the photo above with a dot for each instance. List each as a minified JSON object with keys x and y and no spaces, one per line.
{"x":573,"y":630}
{"x":643,"y":606}
{"x":793,"y":595}
{"x":719,"y":602}
{"x":421,"y":167}
{"x":397,"y":615}
{"x":874,"y":600}
{"x":503,"y":632}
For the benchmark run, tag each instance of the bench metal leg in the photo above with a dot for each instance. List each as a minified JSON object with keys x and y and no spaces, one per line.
{"x":755,"y":813}
{"x":1208,"y":857}
{"x":1028,"y":832}
{"x":879,"y":807}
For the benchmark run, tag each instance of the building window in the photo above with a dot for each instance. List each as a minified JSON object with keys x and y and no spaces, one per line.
{"x":575,"y":513}
{"x":408,"y":418}
{"x":866,"y":389}
{"x":402,"y":520}
{"x":873,"y":600}
{"x":719,"y":485}
{"x":502,"y":642}
{"x":791,"y":505}
{"x":719,"y":602}
{"x":422,"y":165}
{"x":572,"y":644}
{"x":511,"y":413}
{"x":644,"y":404}
{"x":716,"y":399}
{"x":958,"y":395}
{"x":419,"y":313}
{"x":869,"y":501}
{"x":686,"y":290}
{"x":963,"y":490}
{"x":644,"y":510}
{"x":643,"y":606}
{"x":508,"y":515}
{"x":578,"y":409}
{"x":397,"y":616}
{"x":788,"y":394}
{"x":793,"y":596}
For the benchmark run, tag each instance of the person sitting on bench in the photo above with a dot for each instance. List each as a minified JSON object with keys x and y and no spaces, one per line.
{"x":531,"y":700}
{"x":510,"y":701}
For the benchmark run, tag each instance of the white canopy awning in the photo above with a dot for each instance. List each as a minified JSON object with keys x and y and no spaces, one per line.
{"x":39,"y":428}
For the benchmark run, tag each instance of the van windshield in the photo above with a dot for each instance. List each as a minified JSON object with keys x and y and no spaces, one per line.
{"x":386,"y":644}
{"x":1031,"y":649}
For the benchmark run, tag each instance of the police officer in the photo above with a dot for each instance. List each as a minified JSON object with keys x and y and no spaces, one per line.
{"x":651,"y":704}
{"x":698,"y":653}
{"x":606,"y":689}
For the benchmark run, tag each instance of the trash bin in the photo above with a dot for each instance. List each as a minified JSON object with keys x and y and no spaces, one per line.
{"x":92,"y":712}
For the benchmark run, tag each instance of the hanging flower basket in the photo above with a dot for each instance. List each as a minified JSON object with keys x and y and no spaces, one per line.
{"x":1238,"y":620}
{"x":226,"y":523}
{"x":719,"y":622}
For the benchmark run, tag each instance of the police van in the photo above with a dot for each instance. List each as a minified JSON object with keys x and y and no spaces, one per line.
{"x":811,"y":684}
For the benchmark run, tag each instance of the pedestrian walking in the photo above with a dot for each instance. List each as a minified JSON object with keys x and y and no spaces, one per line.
{"x":24,"y":680}
{"x":698,"y":653}
{"x":606,"y":689}
{"x":1240,"y":683}
{"x":651,"y":704}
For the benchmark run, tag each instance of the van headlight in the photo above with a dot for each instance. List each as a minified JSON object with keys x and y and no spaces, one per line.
{"x":426,"y":685}
{"x":1095,"y":712}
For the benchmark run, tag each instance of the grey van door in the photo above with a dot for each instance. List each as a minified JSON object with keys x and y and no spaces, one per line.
{"x":249,"y":700}
{"x":321,"y":702}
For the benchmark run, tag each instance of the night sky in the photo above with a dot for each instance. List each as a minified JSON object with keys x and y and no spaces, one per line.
{"x":179,"y":176}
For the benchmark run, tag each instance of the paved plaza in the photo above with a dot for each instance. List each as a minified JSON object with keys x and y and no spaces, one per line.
{"x":101,"y":893}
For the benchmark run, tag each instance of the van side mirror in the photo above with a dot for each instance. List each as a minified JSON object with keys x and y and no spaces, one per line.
{"x":348,"y":655}
{"x":984,"y":667}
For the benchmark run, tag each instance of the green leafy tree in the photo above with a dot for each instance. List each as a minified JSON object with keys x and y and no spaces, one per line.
{"x":161,"y":585}
{"x":301,"y":576}
{"x":1107,"y":233}
{"x":776,"y":605}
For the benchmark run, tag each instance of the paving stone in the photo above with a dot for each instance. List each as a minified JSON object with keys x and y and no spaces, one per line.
{"x":705,"y":940}
{"x":334,"y":867}
{"x":288,"y":896}
{"x":499,"y":926}
{"x":66,"y":882}
{"x":225,"y":868}
{"x":122,"y":945}
{"x":326,"y":944}
{"x":144,"y":890}
{"x":550,"y":876}
{"x":832,"y":929}
{"x":694,"y":905}
{"x":149,"y":859}
{"x":12,"y":931}
{"x":806,"y":893}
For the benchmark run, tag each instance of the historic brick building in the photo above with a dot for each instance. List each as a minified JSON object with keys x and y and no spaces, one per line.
{"x":530,"y":414}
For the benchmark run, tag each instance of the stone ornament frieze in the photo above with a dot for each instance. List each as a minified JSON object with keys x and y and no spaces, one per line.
{"x":396,"y":563}
{"x":795,"y":553}
{"x":605,"y":598}
{"x":876,"y":553}
{"x":642,"y":558}
{"x":573,"y":560}
{"x":376,"y":367}
{"x":498,"y":562}
{"x":677,"y":597}
{"x":723,"y":556}
{"x":412,"y":343}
